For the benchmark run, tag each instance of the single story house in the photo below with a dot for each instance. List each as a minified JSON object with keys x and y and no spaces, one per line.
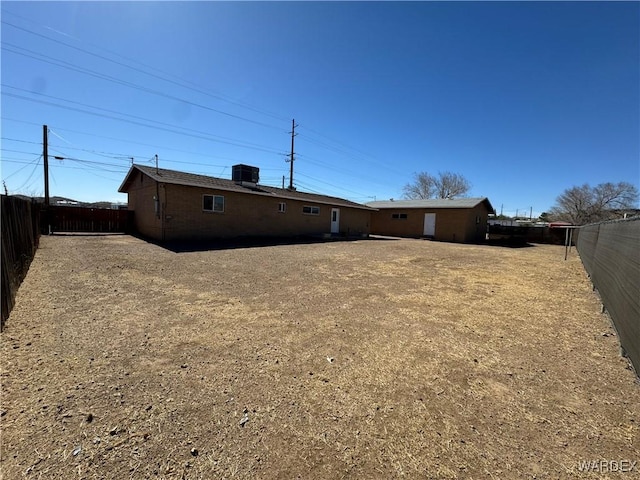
{"x":461,"y":220}
{"x":173,"y":205}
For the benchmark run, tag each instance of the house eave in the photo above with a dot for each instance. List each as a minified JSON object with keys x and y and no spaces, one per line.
{"x":433,"y":204}
{"x":244,"y":189}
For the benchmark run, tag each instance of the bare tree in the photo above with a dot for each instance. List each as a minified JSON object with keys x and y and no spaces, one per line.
{"x":451,"y":185}
{"x":586,"y":204}
{"x":423,"y":186}
{"x":446,"y":185}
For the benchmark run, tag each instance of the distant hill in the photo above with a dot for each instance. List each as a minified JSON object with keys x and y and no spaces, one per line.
{"x":69,"y":202}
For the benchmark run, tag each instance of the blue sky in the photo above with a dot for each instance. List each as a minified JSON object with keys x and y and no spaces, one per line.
{"x":523,"y":99}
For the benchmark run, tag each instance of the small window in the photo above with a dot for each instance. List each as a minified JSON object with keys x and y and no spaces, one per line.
{"x":282,"y":207}
{"x":213,"y":203}
{"x":399,"y":216}
{"x":311,"y":210}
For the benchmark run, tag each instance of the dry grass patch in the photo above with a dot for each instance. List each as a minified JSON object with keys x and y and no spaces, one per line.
{"x":367,"y":359}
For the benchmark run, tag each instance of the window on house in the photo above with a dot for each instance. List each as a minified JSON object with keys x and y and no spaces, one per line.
{"x":282,"y":207}
{"x":399,"y":216}
{"x":308,"y":210}
{"x":213,"y":203}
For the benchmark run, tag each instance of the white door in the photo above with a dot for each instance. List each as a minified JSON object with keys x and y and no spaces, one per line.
{"x":335,"y":220}
{"x":429,"y":224}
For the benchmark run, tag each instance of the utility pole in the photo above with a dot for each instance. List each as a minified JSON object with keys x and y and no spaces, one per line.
{"x":45,"y":154}
{"x":156,"y":164}
{"x":293,"y":134}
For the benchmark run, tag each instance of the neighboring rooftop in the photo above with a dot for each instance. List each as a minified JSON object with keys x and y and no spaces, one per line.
{"x":467,"y":202}
{"x":175,"y":177}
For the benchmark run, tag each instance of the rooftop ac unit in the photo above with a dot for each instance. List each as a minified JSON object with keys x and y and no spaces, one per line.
{"x":245,"y":174}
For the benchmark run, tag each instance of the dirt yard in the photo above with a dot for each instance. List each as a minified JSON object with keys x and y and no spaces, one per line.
{"x":370,"y":359}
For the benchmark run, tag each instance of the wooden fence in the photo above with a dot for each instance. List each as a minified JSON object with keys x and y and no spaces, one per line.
{"x":82,"y":219}
{"x":20,"y":238}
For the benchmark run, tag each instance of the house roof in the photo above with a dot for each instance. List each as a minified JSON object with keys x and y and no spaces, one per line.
{"x":163,"y":175}
{"x":432,"y":203}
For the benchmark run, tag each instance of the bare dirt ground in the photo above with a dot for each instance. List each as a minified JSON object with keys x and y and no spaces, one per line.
{"x":366,"y":359}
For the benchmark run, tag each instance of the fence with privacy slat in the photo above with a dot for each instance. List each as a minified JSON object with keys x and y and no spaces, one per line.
{"x":20,"y":237}
{"x":610,"y":253}
{"x":514,"y":234}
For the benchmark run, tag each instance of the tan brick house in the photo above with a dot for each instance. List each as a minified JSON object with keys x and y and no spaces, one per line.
{"x":174,"y":205}
{"x":461,"y":220}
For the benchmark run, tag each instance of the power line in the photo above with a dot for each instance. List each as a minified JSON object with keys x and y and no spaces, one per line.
{"x":115,"y":156}
{"x":362,"y":156}
{"x":297,"y":183}
{"x":310,"y":139}
{"x":344,"y":153}
{"x":16,"y":160}
{"x":123,"y":157}
{"x":352,"y":173}
{"x":337,"y":141}
{"x":16,"y":151}
{"x":90,"y":162}
{"x":21,"y":141}
{"x":36,"y":161}
{"x":30,"y":175}
{"x":93,"y":73}
{"x":119,"y":157}
{"x":21,"y":161}
{"x":180,"y":84}
{"x":331,"y":185}
{"x":127,"y":156}
{"x":196,"y":134}
{"x":226,"y":139}
{"x":8,"y":119}
{"x":329,"y":147}
{"x":155,"y":147}
{"x":309,"y":159}
{"x":148,"y":90}
{"x":122,"y":169}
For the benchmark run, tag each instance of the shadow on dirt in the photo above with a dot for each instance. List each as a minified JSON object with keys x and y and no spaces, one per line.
{"x":509,"y":243}
{"x":184,"y":246}
{"x":86,"y":234}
